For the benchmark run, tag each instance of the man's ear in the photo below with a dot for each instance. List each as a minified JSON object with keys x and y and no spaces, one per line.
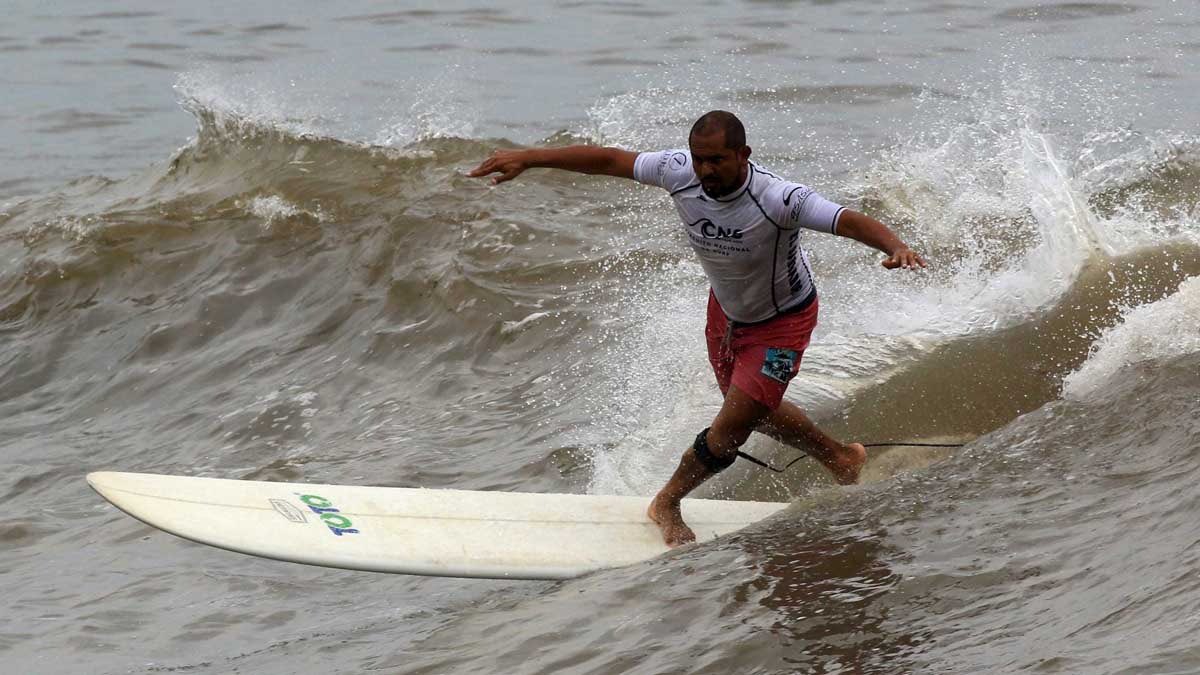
{"x":744,"y":153}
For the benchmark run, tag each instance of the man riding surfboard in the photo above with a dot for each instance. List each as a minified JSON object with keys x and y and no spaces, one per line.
{"x":744,"y":223}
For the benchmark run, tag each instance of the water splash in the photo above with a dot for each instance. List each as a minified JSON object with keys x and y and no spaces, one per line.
{"x":996,"y":199}
{"x":243,"y":104}
{"x":1002,"y":197}
{"x":433,"y":109}
{"x":1149,"y":332}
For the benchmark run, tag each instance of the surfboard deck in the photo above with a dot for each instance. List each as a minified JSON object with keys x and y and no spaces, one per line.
{"x":432,"y":532}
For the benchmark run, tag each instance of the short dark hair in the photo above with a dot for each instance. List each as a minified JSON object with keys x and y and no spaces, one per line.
{"x":720,"y":120}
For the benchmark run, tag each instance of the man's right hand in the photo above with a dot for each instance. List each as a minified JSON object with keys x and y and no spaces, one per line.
{"x":508,"y":163}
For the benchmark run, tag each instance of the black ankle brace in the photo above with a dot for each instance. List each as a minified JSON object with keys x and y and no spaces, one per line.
{"x":711,"y":461}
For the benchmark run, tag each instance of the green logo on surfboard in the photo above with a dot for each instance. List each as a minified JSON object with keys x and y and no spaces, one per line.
{"x":335,"y":520}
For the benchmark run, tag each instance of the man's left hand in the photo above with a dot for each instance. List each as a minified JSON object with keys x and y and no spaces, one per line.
{"x":904,"y":258}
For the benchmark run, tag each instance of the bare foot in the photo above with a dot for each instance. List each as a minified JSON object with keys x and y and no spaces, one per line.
{"x":849,"y":464}
{"x":670,"y":520}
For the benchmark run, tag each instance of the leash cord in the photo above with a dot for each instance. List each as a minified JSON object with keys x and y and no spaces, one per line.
{"x":865,"y":445}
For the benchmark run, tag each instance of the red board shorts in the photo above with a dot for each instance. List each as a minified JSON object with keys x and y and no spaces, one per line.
{"x":759,"y":358}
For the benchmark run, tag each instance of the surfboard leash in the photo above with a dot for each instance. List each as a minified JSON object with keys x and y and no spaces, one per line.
{"x":765,"y":465}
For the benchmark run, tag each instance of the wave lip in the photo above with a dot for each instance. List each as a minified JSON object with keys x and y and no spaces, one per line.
{"x":1159,"y":330}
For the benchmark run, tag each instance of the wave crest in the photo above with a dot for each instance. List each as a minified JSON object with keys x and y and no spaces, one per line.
{"x":1151,"y":332}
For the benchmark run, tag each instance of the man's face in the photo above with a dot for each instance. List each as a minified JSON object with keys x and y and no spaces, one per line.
{"x":721,"y":170}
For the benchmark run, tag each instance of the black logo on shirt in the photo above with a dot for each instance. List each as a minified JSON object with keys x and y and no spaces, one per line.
{"x":805,"y":192}
{"x":794,"y":280}
{"x":710,"y":230}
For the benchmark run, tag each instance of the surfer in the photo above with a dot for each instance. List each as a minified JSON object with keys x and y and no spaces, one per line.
{"x":744,"y":223}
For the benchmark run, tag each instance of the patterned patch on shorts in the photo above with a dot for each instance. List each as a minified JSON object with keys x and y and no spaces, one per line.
{"x":780,"y":364}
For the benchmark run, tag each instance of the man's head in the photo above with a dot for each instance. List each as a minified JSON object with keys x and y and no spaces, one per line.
{"x":720,"y":155}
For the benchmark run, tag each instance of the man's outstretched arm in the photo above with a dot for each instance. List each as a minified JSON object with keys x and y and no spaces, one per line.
{"x":875,"y":234}
{"x":578,"y":158}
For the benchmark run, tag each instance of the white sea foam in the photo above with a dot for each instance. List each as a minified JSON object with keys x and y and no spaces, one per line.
{"x":76,"y":228}
{"x":274,"y":209}
{"x":1154,"y":331}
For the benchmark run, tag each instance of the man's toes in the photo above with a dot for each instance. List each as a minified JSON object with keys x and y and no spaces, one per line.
{"x":680,"y":535}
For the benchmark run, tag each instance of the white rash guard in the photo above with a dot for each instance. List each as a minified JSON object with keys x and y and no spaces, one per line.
{"x":748,"y":241}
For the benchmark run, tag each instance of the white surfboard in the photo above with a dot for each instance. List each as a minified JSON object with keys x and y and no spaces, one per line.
{"x":455,"y":533}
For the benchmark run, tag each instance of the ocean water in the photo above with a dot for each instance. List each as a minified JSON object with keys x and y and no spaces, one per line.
{"x":237,"y":240}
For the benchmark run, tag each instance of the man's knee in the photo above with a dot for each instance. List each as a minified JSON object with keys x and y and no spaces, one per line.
{"x":726,"y":439}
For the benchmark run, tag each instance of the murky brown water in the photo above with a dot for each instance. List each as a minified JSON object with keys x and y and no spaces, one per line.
{"x":309,"y":289}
